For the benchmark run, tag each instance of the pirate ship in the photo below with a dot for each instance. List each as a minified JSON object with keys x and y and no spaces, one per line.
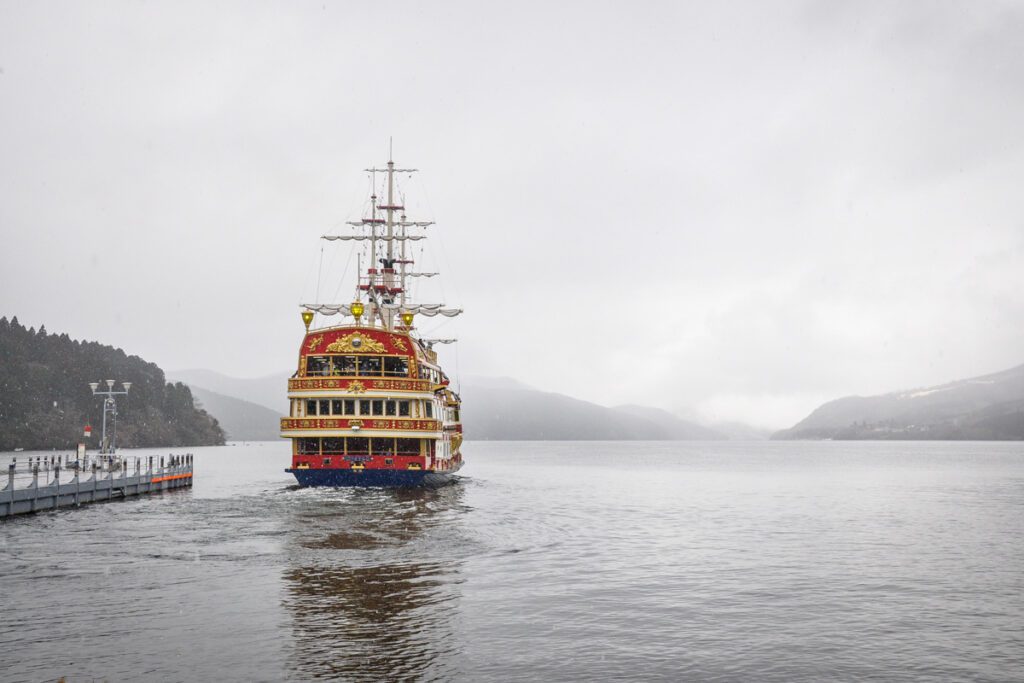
{"x":369,"y":403}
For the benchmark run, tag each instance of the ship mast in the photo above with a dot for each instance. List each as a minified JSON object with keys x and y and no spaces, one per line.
{"x":389,"y":264}
{"x":371,"y":272}
{"x":382,"y":280}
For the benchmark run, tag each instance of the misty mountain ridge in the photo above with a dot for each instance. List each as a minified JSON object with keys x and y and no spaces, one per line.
{"x":989,"y":407}
{"x":494,"y":408}
{"x":269,"y":391}
{"x":240,"y":420}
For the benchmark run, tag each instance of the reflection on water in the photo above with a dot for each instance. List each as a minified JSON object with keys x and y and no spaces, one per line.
{"x":728,"y":561}
{"x":373,"y":586}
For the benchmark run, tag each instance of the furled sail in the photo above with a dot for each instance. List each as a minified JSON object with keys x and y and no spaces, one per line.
{"x":400,"y":238}
{"x":429,"y":310}
{"x":328,"y":309}
{"x":398,"y":224}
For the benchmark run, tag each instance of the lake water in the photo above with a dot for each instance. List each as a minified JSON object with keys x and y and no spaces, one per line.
{"x":545,"y":561}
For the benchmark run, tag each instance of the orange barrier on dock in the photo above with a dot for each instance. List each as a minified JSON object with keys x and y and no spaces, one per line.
{"x":173,"y":476}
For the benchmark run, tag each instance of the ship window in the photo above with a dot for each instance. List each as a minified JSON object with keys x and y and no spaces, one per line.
{"x":408,"y":446}
{"x":389,"y":461}
{"x":395,"y":366}
{"x":389,"y":408}
{"x":325,"y":407}
{"x":310,"y":407}
{"x":364,"y":407}
{"x":403,"y":409}
{"x":350,"y":407}
{"x":382,"y":446}
{"x":456,"y":415}
{"x":327,"y":461}
{"x":428,"y":408}
{"x":378,"y":407}
{"x":336,"y":407}
{"x":358,"y":445}
{"x":344,"y":365}
{"x":370,"y":366}
{"x":317,"y":365}
{"x":308,"y":446}
{"x":334,"y":446}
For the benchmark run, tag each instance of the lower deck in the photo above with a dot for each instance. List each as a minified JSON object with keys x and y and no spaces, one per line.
{"x":375,"y":453}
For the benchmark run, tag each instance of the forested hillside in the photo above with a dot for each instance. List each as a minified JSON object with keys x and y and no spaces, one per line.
{"x":45,"y":399}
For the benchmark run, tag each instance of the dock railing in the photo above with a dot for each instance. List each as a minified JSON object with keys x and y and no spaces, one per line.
{"x":49,"y":482}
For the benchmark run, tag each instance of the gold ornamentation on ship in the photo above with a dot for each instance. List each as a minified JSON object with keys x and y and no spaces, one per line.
{"x":456,"y":442}
{"x":315,"y":342}
{"x":356,"y":387}
{"x":355,"y":343}
{"x":399,"y":343}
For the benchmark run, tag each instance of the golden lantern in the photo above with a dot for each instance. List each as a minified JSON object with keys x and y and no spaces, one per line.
{"x":357,"y":310}
{"x":307,"y":318}
{"x":407,"y":318}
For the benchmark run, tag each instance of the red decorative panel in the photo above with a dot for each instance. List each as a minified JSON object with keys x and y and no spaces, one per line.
{"x":356,"y":340}
{"x":365,"y":384}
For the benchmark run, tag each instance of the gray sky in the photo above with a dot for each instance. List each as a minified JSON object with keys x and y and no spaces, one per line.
{"x":733,"y":209}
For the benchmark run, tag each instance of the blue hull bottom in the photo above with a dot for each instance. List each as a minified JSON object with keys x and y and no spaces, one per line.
{"x":380,"y":478}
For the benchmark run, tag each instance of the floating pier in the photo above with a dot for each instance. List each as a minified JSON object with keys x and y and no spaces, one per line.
{"x":104,"y":478}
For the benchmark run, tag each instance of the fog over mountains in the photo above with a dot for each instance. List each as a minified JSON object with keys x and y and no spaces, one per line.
{"x":989,"y":407}
{"x":243,"y":420}
{"x":493,"y":409}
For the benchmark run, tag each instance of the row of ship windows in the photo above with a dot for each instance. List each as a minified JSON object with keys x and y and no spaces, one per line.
{"x":367,"y":406}
{"x":367,"y":366}
{"x":361,"y":366}
{"x":355,"y":445}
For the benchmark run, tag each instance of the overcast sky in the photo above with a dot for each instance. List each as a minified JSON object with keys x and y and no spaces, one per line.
{"x":738,"y":210}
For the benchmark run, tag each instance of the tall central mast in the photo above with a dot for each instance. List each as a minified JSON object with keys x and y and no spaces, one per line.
{"x":391,"y":204}
{"x":389,"y":263}
{"x":373,"y":255}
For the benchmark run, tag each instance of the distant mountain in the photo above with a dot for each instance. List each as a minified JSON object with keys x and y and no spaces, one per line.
{"x":495,"y":408}
{"x":674,"y":428}
{"x":738,"y":431}
{"x":270,"y":391}
{"x":242,"y":420}
{"x":505,"y":410}
{"x":990,"y":407}
{"x":45,"y":399}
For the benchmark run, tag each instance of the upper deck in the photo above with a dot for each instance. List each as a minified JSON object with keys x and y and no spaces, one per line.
{"x":370,"y":358}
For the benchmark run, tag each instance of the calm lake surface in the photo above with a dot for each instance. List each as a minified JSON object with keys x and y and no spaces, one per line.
{"x":725,"y":561}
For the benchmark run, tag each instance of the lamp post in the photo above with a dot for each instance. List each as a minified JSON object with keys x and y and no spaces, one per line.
{"x":109,"y":406}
